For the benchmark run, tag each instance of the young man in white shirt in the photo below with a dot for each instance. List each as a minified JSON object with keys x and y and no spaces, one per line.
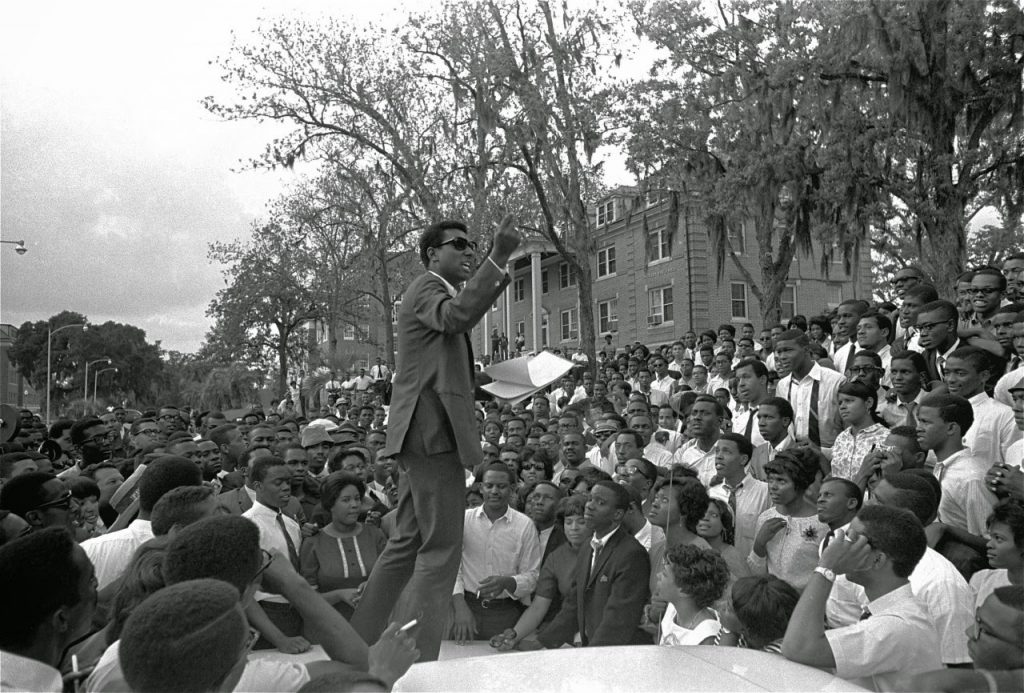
{"x":774,"y":423}
{"x":751,"y":391}
{"x":704,"y":428}
{"x":896,"y":636}
{"x":966,"y":502}
{"x":271,"y":480}
{"x":813,"y":391}
{"x":500,"y":562}
{"x":966,"y":372}
{"x":747,"y":497}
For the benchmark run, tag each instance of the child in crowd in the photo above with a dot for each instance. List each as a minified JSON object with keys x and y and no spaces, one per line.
{"x":691,"y":580}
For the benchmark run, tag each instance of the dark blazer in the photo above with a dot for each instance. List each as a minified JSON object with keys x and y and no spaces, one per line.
{"x":434,"y":374}
{"x":605,"y":606}
{"x":237,"y":502}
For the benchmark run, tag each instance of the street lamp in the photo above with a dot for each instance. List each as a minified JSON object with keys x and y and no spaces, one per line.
{"x":85,"y":388}
{"x":19,"y":246}
{"x":49,"y":357}
{"x":95,"y":380}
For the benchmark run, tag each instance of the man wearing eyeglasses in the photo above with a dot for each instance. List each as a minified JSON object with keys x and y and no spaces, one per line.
{"x":936,"y":326}
{"x":988,"y":287}
{"x":431,"y":429}
{"x":92,"y":440}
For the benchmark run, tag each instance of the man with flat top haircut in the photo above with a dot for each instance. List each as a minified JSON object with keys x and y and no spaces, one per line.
{"x":432,"y":430}
{"x":848,"y":314}
{"x":812,"y":391}
{"x":751,"y":391}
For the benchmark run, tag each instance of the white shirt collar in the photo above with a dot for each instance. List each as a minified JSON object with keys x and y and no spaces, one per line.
{"x":598,"y":544}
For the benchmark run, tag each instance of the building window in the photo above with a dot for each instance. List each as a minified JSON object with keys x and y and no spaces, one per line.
{"x":737,"y":239}
{"x":788,"y":301}
{"x":349,"y":333}
{"x":566,"y":276}
{"x":521,"y":327}
{"x":519,"y":289}
{"x":544,"y":330}
{"x":570,"y":324}
{"x":608,"y":316}
{"x":660,"y":301}
{"x":606,"y":213}
{"x":658,"y":247}
{"x":544,"y":281}
{"x":606,"y":262}
{"x":739,"y":299}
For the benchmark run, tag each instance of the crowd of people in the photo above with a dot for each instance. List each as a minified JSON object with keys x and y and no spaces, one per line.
{"x":843,"y":491}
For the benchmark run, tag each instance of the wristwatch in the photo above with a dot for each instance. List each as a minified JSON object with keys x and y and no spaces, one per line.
{"x":825,"y":573}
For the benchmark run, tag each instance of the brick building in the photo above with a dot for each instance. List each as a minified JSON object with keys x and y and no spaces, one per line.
{"x":652,"y":283}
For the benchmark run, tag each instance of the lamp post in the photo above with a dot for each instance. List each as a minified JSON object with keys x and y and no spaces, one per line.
{"x":49,"y":357}
{"x":19,"y":246}
{"x":95,"y":380}
{"x":85,"y":388}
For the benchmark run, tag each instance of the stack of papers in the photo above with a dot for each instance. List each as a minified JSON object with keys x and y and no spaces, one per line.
{"x":518,"y":378}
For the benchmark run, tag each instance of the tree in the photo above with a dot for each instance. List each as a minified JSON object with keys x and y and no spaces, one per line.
{"x":138,"y":362}
{"x":731,"y":120}
{"x":268,"y":298}
{"x":937,"y":84}
{"x":529,"y":75}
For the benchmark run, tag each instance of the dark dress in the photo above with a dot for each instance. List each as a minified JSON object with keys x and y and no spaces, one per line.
{"x":331,"y":563}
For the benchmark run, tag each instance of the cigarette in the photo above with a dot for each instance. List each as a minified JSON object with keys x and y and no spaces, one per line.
{"x":408,"y":625}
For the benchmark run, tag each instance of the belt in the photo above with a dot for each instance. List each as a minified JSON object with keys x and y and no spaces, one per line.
{"x":488,"y":603}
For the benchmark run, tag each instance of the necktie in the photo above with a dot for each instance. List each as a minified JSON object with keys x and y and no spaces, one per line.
{"x":750,"y":422}
{"x":812,"y":421}
{"x":293,"y":555}
{"x":828,"y":537}
{"x":940,"y":366}
{"x":911,"y":419}
{"x":595,"y":548}
{"x":865,"y":614}
{"x":732,"y":498}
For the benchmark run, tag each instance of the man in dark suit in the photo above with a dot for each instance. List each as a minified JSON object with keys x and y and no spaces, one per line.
{"x":432,"y":431}
{"x":610,"y":584}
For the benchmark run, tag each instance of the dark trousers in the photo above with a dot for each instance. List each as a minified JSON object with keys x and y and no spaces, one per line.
{"x":424,"y":552}
{"x":285,"y":617}
{"x":493,"y":616}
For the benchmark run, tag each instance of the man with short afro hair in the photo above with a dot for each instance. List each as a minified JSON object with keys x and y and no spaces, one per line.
{"x":181,"y":507}
{"x":191,"y":636}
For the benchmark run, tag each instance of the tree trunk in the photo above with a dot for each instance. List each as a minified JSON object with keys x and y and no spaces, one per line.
{"x":389,"y":305}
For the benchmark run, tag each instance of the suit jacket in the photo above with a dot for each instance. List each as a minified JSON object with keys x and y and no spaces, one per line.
{"x":605,"y":605}
{"x":237,"y":501}
{"x":434,"y":372}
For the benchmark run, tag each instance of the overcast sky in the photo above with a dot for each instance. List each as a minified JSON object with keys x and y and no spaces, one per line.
{"x":111,"y":170}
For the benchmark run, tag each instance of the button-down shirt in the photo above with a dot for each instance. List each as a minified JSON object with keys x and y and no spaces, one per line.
{"x":799,"y":396}
{"x":508,"y":547}
{"x":895,"y":413}
{"x":272,"y":539}
{"x":940,"y":588}
{"x":993,"y":430}
{"x":966,"y":503}
{"x":111,"y":554}
{"x":752,"y":499}
{"x":663,"y":384}
{"x":700,"y":461}
{"x":898,"y":639}
{"x":743,"y":415}
{"x":851,"y":446}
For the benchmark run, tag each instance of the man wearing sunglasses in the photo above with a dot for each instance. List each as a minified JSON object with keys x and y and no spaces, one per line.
{"x":40,"y":499}
{"x":431,"y":429}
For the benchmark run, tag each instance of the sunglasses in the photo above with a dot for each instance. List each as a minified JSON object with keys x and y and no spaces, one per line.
{"x":460,"y":244}
{"x":62,"y":503}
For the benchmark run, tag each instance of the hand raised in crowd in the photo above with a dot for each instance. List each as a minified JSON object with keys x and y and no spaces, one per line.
{"x":845,"y":554}
{"x":506,"y":239}
{"x":392,"y":655}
